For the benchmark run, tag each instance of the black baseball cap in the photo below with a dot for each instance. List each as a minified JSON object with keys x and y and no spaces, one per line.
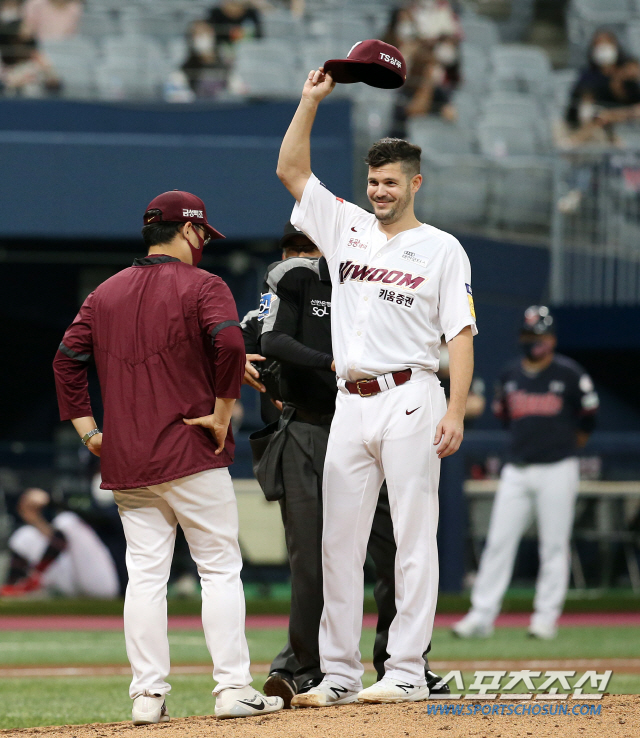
{"x":538,"y":321}
{"x":290,"y":232}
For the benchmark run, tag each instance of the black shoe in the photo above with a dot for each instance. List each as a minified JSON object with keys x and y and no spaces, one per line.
{"x":309,"y":684}
{"x":281,"y":684}
{"x":432,"y":681}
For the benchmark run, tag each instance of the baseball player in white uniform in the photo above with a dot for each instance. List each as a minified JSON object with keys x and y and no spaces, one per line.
{"x":398,"y":285}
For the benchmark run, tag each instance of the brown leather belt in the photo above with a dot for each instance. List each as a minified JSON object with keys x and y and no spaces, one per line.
{"x":369,"y":387}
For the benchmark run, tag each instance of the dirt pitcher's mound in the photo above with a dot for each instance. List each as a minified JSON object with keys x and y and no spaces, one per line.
{"x":618,"y":717}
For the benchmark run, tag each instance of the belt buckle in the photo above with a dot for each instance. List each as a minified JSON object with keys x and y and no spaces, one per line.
{"x":369,"y":394}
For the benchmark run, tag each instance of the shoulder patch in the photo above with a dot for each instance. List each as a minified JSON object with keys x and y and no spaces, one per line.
{"x":266,"y":303}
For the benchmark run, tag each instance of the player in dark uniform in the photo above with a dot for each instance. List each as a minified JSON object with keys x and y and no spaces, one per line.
{"x":295,"y":317}
{"x":549,"y":404}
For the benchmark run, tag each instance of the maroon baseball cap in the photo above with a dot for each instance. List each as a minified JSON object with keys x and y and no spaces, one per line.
{"x":373,"y":62}
{"x":177,"y":206}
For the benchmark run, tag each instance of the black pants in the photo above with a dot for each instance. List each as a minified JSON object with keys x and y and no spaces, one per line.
{"x":302,"y":465}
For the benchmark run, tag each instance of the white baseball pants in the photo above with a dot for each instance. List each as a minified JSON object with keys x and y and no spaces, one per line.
{"x":387,"y":435}
{"x":549,"y":491}
{"x":85,"y":567}
{"x":204,"y":505}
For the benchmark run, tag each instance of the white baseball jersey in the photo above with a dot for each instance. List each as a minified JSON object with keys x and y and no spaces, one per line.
{"x":392,"y":298}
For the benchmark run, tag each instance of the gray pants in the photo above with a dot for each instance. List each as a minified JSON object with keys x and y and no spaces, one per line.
{"x":302,"y":466}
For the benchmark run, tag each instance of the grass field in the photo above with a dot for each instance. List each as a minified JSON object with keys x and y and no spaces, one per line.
{"x":36,"y":701}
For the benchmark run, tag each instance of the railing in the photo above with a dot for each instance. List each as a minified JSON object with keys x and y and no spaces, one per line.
{"x":595,"y":234}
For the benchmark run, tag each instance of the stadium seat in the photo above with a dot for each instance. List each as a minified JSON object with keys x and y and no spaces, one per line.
{"x":633,"y":38}
{"x":520,"y":68}
{"x":74,"y":60}
{"x":505,"y":105}
{"x":467,"y":106}
{"x":281,"y":24}
{"x":267,"y":68}
{"x":161,"y":22}
{"x":502,"y":137}
{"x":455,"y":190}
{"x":480,"y":32}
{"x":521,"y":193}
{"x":475,"y":68}
{"x":99,"y":21}
{"x":372,"y":113}
{"x":563,"y":82}
{"x":437,"y":136}
{"x":602,"y":11}
{"x":133,"y":67}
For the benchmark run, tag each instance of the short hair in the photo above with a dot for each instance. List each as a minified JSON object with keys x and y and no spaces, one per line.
{"x":160,"y":232}
{"x":391,"y":150}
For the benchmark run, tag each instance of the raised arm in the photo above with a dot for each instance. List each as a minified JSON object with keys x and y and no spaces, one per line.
{"x":294,"y":162}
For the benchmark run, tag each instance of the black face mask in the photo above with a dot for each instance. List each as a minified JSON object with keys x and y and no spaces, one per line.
{"x":535,"y":350}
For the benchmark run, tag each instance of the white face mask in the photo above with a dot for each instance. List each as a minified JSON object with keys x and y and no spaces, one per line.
{"x":446,"y":53}
{"x":604,"y":54}
{"x":406,"y":30}
{"x":9,"y":15}
{"x":204,"y":43}
{"x":586,"y":112}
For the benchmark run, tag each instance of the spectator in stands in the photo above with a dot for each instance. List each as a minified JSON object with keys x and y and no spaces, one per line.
{"x":233,"y":21}
{"x":23,"y":70}
{"x":402,"y":32}
{"x":64,"y":556}
{"x":435,"y":19}
{"x":205,"y":70}
{"x":430,"y":84}
{"x":606,"y":92}
{"x":50,"y":20}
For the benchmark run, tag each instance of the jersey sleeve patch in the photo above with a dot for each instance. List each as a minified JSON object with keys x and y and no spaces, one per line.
{"x":471,"y":306}
{"x":266,"y":303}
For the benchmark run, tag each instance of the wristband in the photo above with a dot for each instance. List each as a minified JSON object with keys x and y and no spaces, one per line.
{"x":90,"y":434}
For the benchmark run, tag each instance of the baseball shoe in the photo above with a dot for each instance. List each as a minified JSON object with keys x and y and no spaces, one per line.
{"x":149,"y":709}
{"x":309,"y":684}
{"x":393,"y":690}
{"x":327,"y":693}
{"x":23,"y":587}
{"x":471,"y":626}
{"x":245,"y":702}
{"x":280,"y":684}
{"x":543,"y":632}
{"x":433,"y":682}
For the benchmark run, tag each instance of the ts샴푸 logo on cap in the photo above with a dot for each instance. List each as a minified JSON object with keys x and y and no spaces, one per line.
{"x":391,"y":60}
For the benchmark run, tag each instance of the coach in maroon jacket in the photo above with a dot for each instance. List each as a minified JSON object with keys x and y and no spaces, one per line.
{"x":168,"y":348}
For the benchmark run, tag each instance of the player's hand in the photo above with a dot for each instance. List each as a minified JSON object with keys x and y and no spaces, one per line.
{"x":94,"y":444}
{"x":251,"y":374}
{"x":215,"y":426}
{"x":318,"y":85}
{"x":333,"y":366}
{"x":278,"y":404}
{"x":449,"y":434}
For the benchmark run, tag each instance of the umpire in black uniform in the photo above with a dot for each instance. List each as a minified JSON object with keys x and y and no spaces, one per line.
{"x":295,"y":323}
